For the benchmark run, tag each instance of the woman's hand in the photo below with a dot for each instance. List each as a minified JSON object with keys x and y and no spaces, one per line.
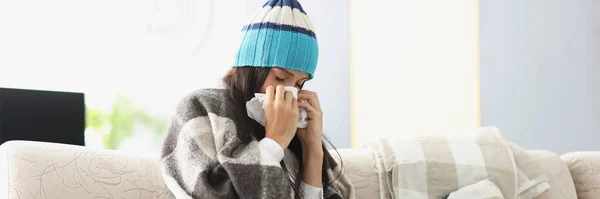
{"x":311,"y":137}
{"x":281,"y":115}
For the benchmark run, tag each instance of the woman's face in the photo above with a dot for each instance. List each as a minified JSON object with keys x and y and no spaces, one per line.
{"x":280,"y":76}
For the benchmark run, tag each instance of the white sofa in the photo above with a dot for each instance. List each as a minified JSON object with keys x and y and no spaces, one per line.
{"x":46,"y":170}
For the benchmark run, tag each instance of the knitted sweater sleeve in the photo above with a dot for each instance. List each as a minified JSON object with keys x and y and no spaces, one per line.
{"x":202,"y":157}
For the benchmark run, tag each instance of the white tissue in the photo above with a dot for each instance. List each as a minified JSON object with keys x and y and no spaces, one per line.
{"x":255,"y":108}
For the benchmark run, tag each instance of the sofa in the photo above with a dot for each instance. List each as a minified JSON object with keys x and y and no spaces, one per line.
{"x":49,"y":170}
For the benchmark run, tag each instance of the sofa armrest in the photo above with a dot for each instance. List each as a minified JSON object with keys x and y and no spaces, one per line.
{"x":48,"y":170}
{"x":585,"y":169}
{"x":359,"y":167}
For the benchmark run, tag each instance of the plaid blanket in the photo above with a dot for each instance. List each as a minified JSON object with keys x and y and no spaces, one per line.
{"x":435,"y":166}
{"x":202,"y":156}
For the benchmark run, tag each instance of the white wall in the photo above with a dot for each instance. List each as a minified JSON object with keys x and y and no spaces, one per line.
{"x":331,"y":20}
{"x":414,"y":67}
{"x":540,"y":72}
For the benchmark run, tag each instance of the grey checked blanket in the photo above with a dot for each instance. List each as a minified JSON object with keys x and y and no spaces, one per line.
{"x":203,"y":158}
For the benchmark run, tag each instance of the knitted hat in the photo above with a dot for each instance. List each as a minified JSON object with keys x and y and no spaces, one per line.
{"x":280,"y":35}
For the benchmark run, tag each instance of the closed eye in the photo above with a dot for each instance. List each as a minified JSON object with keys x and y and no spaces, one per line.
{"x":279,"y":79}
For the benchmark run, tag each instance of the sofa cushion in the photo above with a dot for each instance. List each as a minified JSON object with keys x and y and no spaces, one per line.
{"x":535,"y":178}
{"x":585,"y":169}
{"x":552,"y":167}
{"x":46,"y":170}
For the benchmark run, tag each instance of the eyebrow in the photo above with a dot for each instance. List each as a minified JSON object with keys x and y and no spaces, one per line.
{"x":288,"y":72}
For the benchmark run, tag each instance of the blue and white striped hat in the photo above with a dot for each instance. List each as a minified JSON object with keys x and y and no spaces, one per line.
{"x":280,"y":35}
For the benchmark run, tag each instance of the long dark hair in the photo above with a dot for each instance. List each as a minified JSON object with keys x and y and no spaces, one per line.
{"x":242,"y":83}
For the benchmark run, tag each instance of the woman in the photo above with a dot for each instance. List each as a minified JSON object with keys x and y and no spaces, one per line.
{"x":214,"y":150}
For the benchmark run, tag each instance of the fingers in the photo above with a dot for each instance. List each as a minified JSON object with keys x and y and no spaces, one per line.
{"x":312,"y":111}
{"x":270,"y":94}
{"x":280,"y":93}
{"x":289,"y":97}
{"x":295,"y":104}
{"x":312,"y":98}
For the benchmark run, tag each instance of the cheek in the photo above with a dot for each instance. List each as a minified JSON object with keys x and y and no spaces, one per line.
{"x":268,"y":82}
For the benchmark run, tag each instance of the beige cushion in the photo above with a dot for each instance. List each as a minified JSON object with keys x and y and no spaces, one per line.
{"x":533,"y":178}
{"x":44,"y":170}
{"x":360,"y":168}
{"x":561,"y":183}
{"x":585,"y":169}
